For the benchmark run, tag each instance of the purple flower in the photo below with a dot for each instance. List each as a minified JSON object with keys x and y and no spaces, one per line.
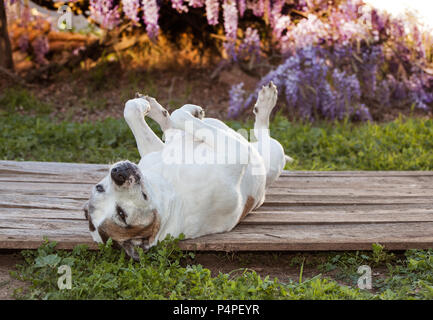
{"x":313,"y":88}
{"x":230,"y":14}
{"x":105,"y":13}
{"x":23,"y":42}
{"x":131,"y":8}
{"x":363,"y":114}
{"x":196,"y":3}
{"x":257,"y":6}
{"x":250,"y":46}
{"x":236,"y":100}
{"x":150,"y":17}
{"x":178,"y":5}
{"x":275,"y":12}
{"x":212,"y":11}
{"x":242,"y":6}
{"x":40,"y":47}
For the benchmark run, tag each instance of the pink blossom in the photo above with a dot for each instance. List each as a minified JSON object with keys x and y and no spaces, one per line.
{"x":179,"y":5}
{"x":40,"y":47}
{"x":131,"y":8}
{"x":196,"y":3}
{"x":257,"y":6}
{"x":230,"y":13}
{"x":212,"y":11}
{"x":150,"y":16}
{"x":105,"y":13}
{"x":242,"y":7}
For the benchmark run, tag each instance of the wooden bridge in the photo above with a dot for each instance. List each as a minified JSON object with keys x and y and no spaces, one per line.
{"x":304,"y":210}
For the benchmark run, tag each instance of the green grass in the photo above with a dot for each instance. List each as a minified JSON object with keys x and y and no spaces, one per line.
{"x":404,"y":144}
{"x":167,"y":273}
{"x":20,"y":99}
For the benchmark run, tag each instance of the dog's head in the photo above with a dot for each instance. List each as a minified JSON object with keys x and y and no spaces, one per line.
{"x":119,"y":207}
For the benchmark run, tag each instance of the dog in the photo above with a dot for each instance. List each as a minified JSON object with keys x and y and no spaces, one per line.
{"x":138,"y":205}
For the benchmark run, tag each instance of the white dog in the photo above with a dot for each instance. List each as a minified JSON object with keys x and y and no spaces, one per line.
{"x":204,"y":179}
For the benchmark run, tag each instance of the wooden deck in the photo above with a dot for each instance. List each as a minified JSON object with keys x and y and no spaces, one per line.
{"x":303,"y":210}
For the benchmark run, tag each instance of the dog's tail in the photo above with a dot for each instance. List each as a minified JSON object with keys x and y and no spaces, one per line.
{"x":288,"y":159}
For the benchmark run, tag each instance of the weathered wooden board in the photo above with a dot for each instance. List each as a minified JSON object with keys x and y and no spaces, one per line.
{"x":326,"y":210}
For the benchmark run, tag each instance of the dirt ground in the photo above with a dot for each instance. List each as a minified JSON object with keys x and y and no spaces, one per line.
{"x":98,"y":93}
{"x":8,"y":261}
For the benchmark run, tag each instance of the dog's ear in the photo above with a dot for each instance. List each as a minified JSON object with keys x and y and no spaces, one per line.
{"x":86,"y":210}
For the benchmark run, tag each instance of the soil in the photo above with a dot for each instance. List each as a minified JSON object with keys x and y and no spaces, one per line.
{"x":8,"y":284}
{"x":100,"y":92}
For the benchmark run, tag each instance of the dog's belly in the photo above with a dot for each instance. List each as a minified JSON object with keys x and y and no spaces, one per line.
{"x":214,"y":195}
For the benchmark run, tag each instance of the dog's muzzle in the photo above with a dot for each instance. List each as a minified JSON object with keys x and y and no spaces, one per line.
{"x":124,"y":172}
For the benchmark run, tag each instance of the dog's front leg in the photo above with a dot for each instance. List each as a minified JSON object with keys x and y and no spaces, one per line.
{"x":159,"y":114}
{"x":134,"y":113}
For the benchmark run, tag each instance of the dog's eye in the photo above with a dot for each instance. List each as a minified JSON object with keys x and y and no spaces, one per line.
{"x":121,"y":214}
{"x":99,"y":188}
{"x":144,"y":196}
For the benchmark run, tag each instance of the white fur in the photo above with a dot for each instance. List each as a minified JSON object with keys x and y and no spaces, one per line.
{"x":193,"y":199}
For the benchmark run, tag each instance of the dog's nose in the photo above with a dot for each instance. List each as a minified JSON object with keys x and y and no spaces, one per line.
{"x":122,"y":172}
{"x":119,"y":175}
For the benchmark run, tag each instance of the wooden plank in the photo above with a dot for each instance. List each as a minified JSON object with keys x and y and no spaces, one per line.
{"x":32,"y":239}
{"x":319,"y":215}
{"x":84,"y":190}
{"x":306,"y":210}
{"x":58,"y":226}
{"x":41,"y":202}
{"x":346,"y":207}
{"x":353,"y":191}
{"x":39,"y":213}
{"x":262,"y":238}
{"x":331,"y":217}
{"x":287,"y":200}
{"x":37,"y":167}
{"x":393,"y":236}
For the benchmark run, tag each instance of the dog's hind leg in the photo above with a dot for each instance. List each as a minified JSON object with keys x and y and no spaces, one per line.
{"x":270,"y":149}
{"x":134,"y":113}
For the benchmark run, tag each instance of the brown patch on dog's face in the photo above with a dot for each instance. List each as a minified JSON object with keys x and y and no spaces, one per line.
{"x":248,"y":206}
{"x":121,"y":234}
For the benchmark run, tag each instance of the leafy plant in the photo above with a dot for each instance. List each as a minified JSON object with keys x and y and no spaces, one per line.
{"x":161,"y":273}
{"x":404,"y":144}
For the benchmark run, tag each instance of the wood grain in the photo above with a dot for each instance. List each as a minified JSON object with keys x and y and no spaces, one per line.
{"x":304,"y":210}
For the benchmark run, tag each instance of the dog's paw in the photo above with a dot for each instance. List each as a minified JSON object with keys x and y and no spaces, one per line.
{"x":267,"y":99}
{"x":137,"y":107}
{"x":152,"y":101}
{"x":181,"y":118}
{"x":194,"y":110}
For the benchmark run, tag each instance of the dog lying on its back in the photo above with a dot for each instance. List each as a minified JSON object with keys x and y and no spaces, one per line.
{"x":170,"y":193}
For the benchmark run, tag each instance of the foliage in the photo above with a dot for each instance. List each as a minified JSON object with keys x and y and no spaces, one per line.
{"x":19,"y":99}
{"x":161,"y":273}
{"x":399,"y":145}
{"x":337,"y":58}
{"x":165,"y":272}
{"x":342,"y":60}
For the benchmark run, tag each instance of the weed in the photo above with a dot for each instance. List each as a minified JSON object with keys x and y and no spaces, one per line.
{"x":19,"y":99}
